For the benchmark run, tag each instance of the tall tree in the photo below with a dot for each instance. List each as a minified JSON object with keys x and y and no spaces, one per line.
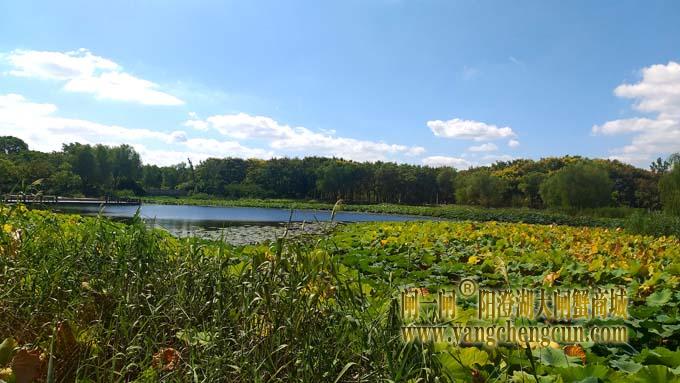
{"x":580,"y":185}
{"x":445,"y":185}
{"x":481,"y":188}
{"x":669,"y":187}
{"x":12,"y":145}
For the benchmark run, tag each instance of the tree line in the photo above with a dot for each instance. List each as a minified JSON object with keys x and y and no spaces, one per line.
{"x":561,"y":182}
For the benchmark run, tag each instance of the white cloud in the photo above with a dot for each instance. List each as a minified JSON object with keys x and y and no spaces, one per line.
{"x":217,"y":148}
{"x":197,"y":124}
{"x":43,"y":130}
{"x":513,"y":143}
{"x":84,"y":72}
{"x":57,"y":65}
{"x":632,"y":125}
{"x":243,"y":125}
{"x":301,"y":140}
{"x":488,"y":147}
{"x":658,"y":92}
{"x":178,"y":136}
{"x":469,"y":130}
{"x":456,"y":162}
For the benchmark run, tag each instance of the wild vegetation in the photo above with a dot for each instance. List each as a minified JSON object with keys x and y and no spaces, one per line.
{"x":91,"y":300}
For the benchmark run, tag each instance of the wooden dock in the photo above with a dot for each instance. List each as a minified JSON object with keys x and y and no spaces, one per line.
{"x":54,"y":200}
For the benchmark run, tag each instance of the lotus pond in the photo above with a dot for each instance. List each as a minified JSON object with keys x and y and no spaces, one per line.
{"x":88,"y":299}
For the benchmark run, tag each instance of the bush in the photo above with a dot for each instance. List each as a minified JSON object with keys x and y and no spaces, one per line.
{"x":669,"y":187}
{"x":580,"y":186}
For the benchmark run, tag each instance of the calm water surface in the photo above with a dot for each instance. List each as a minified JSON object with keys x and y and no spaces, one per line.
{"x":236,"y":225}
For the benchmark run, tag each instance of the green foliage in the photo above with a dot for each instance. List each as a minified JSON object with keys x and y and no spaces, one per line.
{"x":103,"y":169}
{"x":445,"y":185}
{"x":64,"y":182}
{"x":12,"y":145}
{"x":669,"y":187}
{"x":579,"y":185}
{"x":436,"y":254}
{"x":9,"y":176}
{"x":215,"y":175}
{"x":285,"y":311}
{"x":530,"y":185}
{"x":660,"y":166}
{"x":481,"y":188}
{"x":313,"y":309}
{"x":654,"y":223}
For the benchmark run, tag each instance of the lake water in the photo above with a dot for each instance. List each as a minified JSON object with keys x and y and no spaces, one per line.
{"x":237,"y":225}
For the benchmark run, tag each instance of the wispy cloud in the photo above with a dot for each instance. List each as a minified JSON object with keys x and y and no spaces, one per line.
{"x":43,"y":129}
{"x":488,"y":147}
{"x":287,"y":139}
{"x":83,"y":72}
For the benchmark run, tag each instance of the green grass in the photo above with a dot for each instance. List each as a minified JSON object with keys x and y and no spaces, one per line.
{"x":606,"y":217}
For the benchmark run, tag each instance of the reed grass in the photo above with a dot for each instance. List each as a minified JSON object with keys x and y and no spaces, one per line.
{"x":107,"y":297}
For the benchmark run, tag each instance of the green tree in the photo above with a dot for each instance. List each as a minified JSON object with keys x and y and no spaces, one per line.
{"x":12,"y":145}
{"x":580,"y":185}
{"x":152,"y":176}
{"x":480,"y":188}
{"x":669,"y":187}
{"x":83,"y":163}
{"x":660,"y":166}
{"x":9,"y":176}
{"x":445,"y":185}
{"x":530,"y":185}
{"x":103,"y":175}
{"x":215,"y":174}
{"x":126,"y":166}
{"x":64,"y":182}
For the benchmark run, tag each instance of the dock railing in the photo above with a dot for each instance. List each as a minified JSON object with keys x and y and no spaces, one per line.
{"x":53,"y":199}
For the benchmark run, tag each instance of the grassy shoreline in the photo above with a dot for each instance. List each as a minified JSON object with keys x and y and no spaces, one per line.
{"x":591,"y":218}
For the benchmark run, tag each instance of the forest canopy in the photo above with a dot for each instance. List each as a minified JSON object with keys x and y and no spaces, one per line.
{"x":564,"y":182}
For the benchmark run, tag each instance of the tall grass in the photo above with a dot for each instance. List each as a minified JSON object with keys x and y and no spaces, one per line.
{"x":107,"y":297}
{"x":653,"y":223}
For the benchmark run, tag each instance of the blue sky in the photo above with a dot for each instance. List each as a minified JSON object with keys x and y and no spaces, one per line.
{"x":427,"y":82}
